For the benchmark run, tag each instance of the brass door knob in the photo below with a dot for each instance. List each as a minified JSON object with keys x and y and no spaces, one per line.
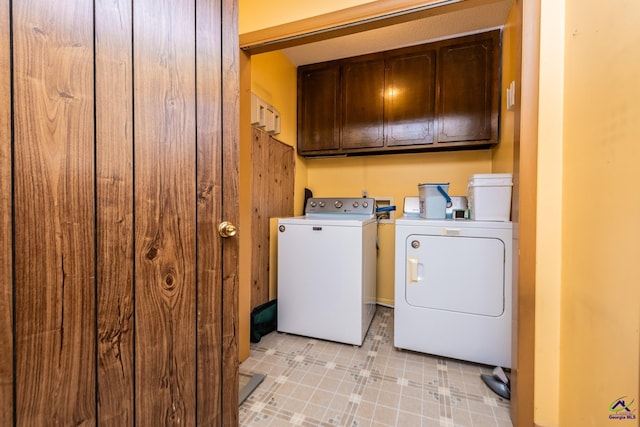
{"x":227,"y":229}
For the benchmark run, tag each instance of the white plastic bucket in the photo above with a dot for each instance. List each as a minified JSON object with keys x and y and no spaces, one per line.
{"x":433,"y":204}
{"x":489,"y":196}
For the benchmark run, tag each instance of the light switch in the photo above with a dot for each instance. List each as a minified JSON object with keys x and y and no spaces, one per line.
{"x":511,"y":96}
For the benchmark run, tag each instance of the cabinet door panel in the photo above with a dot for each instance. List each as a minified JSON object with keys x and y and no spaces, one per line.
{"x":363,"y":89}
{"x":318,"y":125}
{"x":466,"y":82}
{"x":410,"y":99}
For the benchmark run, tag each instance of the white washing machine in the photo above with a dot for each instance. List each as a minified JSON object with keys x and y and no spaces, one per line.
{"x":453,"y":289}
{"x":327,"y":270}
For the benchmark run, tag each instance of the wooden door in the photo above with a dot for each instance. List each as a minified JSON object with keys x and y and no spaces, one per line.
{"x":118,"y":147}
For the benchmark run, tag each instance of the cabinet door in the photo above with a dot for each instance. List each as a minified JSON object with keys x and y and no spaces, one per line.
{"x":318,"y":100}
{"x":410,"y":99}
{"x":363,"y":91}
{"x":468,"y":104}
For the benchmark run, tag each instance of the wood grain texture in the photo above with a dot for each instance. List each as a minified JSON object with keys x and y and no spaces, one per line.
{"x":468,"y":98}
{"x":319,"y":107}
{"x":209,"y":211}
{"x":452,"y":103}
{"x":231,"y":211}
{"x":6,"y":231}
{"x":410,"y":98}
{"x":272,"y":186}
{"x":165,"y":212}
{"x":114,"y":174}
{"x":259,"y":218}
{"x":54,"y":222}
{"x":282,"y":172}
{"x":363,"y":103}
{"x":161,"y":152}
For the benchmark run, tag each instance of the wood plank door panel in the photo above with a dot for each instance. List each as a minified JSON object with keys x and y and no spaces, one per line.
{"x":54,"y":213}
{"x":6,"y":235}
{"x":229,"y":165}
{"x":209,"y":213}
{"x":114,"y":186}
{"x":118,"y":158}
{"x":164,"y":206}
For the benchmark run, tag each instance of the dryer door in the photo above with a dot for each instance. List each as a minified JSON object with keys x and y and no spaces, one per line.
{"x":456,"y":273}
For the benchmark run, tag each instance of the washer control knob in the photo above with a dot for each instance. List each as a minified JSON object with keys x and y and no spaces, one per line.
{"x":355,"y":204}
{"x":313,"y":204}
{"x":365,"y":204}
{"x":282,"y":228}
{"x":337,"y":204}
{"x":415,"y":244}
{"x":322,"y":204}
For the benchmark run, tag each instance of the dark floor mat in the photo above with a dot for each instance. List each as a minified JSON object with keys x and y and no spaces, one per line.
{"x":248,"y":382}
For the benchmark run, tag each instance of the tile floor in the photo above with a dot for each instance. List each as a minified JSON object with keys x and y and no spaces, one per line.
{"x":311,"y":382}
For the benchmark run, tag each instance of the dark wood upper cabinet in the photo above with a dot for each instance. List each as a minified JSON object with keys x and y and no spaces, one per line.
{"x":410,"y":98}
{"x":319,"y":107}
{"x":466,"y":80}
{"x":363,"y":95}
{"x":437,"y":96}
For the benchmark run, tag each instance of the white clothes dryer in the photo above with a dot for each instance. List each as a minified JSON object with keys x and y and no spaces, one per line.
{"x":453,"y":289}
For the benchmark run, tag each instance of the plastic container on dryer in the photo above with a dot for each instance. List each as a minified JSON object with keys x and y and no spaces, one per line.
{"x":434,"y":199}
{"x":489,"y":196}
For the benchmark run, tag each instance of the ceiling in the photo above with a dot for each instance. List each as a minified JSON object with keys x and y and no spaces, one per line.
{"x":476,"y":19}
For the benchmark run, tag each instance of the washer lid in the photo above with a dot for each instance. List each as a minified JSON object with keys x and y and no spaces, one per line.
{"x":328,"y":220}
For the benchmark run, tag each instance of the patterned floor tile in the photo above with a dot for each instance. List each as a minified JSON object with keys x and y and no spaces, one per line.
{"x":312,"y":382}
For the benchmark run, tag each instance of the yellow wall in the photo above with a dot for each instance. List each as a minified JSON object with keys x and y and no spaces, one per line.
{"x":502,"y":154}
{"x":274,"y":80}
{"x":587,"y":294}
{"x":600,"y":224}
{"x":549,"y":217}
{"x":396,"y":175}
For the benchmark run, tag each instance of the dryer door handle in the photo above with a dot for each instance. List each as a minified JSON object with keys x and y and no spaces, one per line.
{"x":412,"y":269}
